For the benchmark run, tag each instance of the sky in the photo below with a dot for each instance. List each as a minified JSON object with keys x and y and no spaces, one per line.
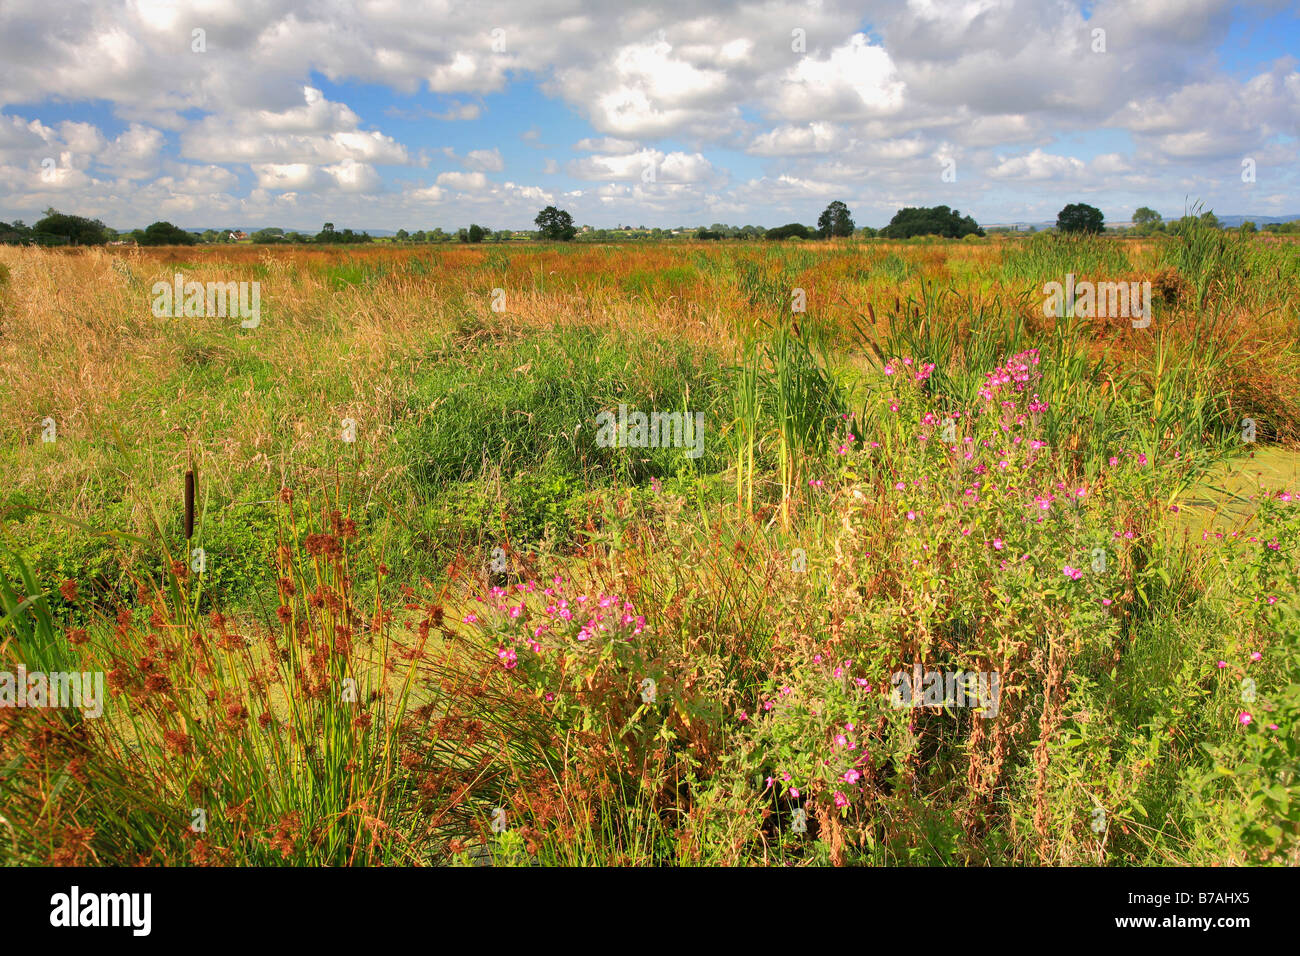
{"x":387,"y":114}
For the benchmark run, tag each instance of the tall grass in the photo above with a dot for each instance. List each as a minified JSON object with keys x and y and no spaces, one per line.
{"x":378,"y":701}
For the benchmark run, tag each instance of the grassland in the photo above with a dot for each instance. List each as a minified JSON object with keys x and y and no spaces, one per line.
{"x":474,"y":612}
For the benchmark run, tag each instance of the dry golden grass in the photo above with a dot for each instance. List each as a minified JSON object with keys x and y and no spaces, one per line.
{"x":345,"y":331}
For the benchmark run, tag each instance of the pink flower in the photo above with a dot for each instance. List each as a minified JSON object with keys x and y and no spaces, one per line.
{"x":1256,"y":656}
{"x":507,"y":657}
{"x":852,"y":776}
{"x":1244,"y":718}
{"x":840,"y":799}
{"x":469,"y":619}
{"x":1222,"y":664}
{"x":997,"y":544}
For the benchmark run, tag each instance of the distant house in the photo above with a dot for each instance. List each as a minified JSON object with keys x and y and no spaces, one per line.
{"x":122,"y":242}
{"x":238,"y":235}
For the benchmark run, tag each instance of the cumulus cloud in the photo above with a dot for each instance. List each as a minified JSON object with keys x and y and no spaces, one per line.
{"x":485,"y":160}
{"x":317,"y":132}
{"x":646,"y":166}
{"x":827,"y":99}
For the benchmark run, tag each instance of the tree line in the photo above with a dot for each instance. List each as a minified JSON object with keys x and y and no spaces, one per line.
{"x":557,"y":225}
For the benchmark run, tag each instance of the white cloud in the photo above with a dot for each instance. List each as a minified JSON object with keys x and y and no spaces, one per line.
{"x":1008,"y":88}
{"x":486,"y":160}
{"x":1038,"y":165}
{"x":818,"y":137}
{"x":856,"y":80}
{"x":466,"y":182}
{"x":605,"y":144}
{"x":646,"y":166}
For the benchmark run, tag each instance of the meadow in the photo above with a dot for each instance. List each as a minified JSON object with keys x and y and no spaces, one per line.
{"x":426,"y":618}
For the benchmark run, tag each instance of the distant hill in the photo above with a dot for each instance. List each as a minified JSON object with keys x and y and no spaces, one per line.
{"x":1257,"y":220}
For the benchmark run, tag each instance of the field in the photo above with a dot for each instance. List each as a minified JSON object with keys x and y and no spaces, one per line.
{"x":429,"y":615}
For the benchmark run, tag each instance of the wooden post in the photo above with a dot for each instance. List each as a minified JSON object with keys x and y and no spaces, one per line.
{"x":189,"y":505}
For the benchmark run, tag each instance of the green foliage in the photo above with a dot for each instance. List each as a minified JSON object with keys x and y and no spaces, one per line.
{"x":329,"y":236}
{"x":555,"y":224}
{"x":792,"y":230}
{"x":930,"y":221}
{"x":1145,"y":219}
{"x":57,"y":228}
{"x":165,"y":234}
{"x":1049,"y":257}
{"x":511,"y":407}
{"x":1207,"y":256}
{"x":1079,"y":217}
{"x":835,"y":221}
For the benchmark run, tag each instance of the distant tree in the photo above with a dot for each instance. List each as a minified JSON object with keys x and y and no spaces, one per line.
{"x":1079,"y":217}
{"x":401,"y":235}
{"x":835,"y":221}
{"x":1146,"y":219}
{"x":475,"y":233}
{"x":268,"y":235}
{"x":1248,"y":228}
{"x":346,"y":237}
{"x":555,"y":224}
{"x":1208,"y":218}
{"x":930,"y":221}
{"x":791,"y":230}
{"x":866,"y":232}
{"x":57,"y":227}
{"x":703,"y":233}
{"x":329,"y":227}
{"x":165,"y":234}
{"x":14,"y":232}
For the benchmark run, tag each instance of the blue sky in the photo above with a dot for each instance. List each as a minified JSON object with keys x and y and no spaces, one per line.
{"x":249,"y":113}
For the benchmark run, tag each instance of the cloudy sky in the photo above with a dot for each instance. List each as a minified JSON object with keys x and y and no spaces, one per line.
{"x":396,"y":113}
